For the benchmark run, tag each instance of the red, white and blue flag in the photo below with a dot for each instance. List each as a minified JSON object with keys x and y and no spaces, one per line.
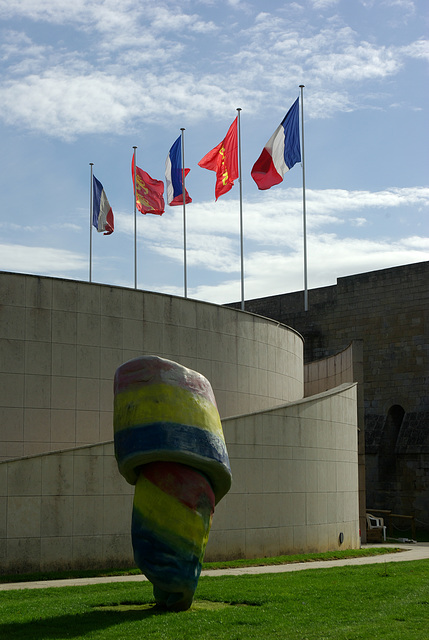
{"x":281,"y":152}
{"x":102,"y":214}
{"x":173,"y":176}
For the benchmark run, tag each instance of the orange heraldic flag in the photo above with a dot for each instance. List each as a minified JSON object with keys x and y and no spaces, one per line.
{"x":224,"y":160}
{"x":149,"y":192}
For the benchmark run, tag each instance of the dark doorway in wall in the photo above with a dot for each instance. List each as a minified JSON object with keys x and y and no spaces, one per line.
{"x":387,"y":451}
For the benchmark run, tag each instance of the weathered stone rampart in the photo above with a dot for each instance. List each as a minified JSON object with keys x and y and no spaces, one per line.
{"x":389,"y":311}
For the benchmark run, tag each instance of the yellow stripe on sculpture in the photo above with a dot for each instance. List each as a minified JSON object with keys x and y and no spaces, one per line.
{"x":161,"y":402}
{"x":169,"y":516}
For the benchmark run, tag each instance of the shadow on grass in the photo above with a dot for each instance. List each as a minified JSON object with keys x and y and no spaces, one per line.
{"x":98,"y":618}
{"x":77,"y":625}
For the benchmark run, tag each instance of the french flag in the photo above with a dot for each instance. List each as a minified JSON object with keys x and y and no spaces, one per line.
{"x":281,"y":152}
{"x":173,"y":176}
{"x":102,"y":214}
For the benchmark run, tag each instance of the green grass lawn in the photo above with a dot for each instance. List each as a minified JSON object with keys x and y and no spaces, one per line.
{"x":387,"y":601}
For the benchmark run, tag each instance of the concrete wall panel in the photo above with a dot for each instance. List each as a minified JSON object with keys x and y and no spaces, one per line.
{"x":61,"y":342}
{"x":65,"y":504}
{"x":298,"y":497}
{"x":73,"y":509}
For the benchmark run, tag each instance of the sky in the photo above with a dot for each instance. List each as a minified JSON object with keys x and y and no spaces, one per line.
{"x":87,"y":80}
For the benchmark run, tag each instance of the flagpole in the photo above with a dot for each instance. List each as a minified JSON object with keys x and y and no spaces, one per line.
{"x":185,"y":279}
{"x":91,"y":164}
{"x":241,"y":209}
{"x":135,"y":221}
{"x":301,"y":86}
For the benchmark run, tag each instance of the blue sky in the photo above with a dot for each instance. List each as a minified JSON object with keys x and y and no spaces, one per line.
{"x":84,"y":81}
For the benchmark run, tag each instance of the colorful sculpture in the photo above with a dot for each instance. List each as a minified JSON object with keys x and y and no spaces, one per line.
{"x":169,"y":443}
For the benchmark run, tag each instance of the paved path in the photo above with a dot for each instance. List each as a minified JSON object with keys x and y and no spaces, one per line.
{"x":419,"y":551}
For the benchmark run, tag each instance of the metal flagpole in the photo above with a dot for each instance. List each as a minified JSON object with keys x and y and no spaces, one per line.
{"x":301,"y":86}
{"x":241,"y":209}
{"x":135,"y":221}
{"x":185,"y":279}
{"x":91,"y":164}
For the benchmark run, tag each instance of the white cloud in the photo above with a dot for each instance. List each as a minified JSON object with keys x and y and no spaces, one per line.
{"x":267,"y":217}
{"x":108,"y":16}
{"x":64,"y":105}
{"x":356,"y":63}
{"x":358,"y":222}
{"x":416,"y":242}
{"x":16,"y":43}
{"x":39,"y":228}
{"x":173,"y":19}
{"x":324,"y":104}
{"x":329,"y":258}
{"x":64,"y":11}
{"x":342,"y":200}
{"x":324,"y":4}
{"x":418,"y":49}
{"x":97,"y":69}
{"x":406,"y":7}
{"x":131,"y":60}
{"x":273,"y":224}
{"x":272,"y":239}
{"x":41,"y":260}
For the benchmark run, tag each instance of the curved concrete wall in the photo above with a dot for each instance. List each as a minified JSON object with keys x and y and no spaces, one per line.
{"x":330,"y":372}
{"x":61,"y":342}
{"x":65,"y":505}
{"x":295,"y":479}
{"x":295,"y":489}
{"x":345,"y":366}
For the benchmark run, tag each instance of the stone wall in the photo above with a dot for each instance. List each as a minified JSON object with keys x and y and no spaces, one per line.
{"x":389,"y":311}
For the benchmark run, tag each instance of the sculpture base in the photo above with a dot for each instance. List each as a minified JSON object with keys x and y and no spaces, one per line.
{"x":172,"y":514}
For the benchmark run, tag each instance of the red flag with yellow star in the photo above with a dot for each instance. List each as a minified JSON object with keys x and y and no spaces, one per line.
{"x":224,"y":160}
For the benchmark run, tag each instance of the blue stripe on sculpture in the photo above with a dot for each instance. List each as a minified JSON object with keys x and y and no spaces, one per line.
{"x":152,"y":441}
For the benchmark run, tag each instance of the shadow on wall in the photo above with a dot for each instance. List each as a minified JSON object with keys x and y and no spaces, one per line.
{"x":387,"y":457}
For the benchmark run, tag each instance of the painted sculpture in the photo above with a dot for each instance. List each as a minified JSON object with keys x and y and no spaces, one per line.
{"x":169,"y":443}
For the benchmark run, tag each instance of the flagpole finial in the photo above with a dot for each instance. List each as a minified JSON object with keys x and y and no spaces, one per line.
{"x":134,"y":147}
{"x":91,"y":164}
{"x":301,"y":86}
{"x":182,"y":128}
{"x":239,"y":109}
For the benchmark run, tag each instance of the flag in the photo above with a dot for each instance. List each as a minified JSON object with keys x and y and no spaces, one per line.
{"x":224,"y":160}
{"x":149,"y":192}
{"x":102,"y":214}
{"x":280,"y":153}
{"x":173,"y":176}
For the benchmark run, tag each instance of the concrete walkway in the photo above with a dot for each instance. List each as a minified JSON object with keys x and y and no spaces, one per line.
{"x":419,"y":551}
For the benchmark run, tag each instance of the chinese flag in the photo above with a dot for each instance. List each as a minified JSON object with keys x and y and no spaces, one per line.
{"x":224,"y":160}
{"x":149,"y":192}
